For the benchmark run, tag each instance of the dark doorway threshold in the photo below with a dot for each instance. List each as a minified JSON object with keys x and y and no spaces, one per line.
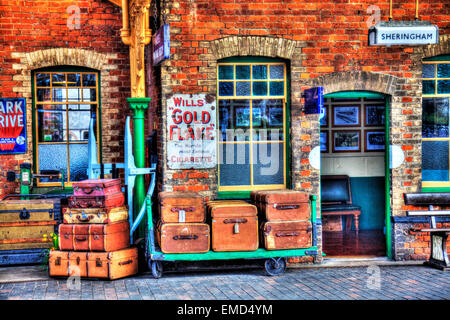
{"x":346,"y":244}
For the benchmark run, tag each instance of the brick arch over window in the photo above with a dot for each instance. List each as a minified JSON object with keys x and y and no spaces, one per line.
{"x":105,"y":63}
{"x":432,"y":50}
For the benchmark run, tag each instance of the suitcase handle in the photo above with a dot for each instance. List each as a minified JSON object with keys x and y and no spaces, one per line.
{"x":87,"y":192}
{"x":190,"y":209}
{"x":287,"y":234}
{"x":80,"y":239}
{"x":125,"y":262}
{"x":235,"y":221}
{"x":186,"y":237}
{"x":84,"y":218}
{"x":286,"y":206}
{"x":24,"y":214}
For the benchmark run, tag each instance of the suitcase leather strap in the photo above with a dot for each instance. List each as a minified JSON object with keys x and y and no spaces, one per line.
{"x":236,"y":223}
{"x":285,"y":206}
{"x":186,"y":237}
{"x":84,"y":217}
{"x":90,"y":190}
{"x":287,"y":234}
{"x":189,"y":209}
{"x":122,"y":263}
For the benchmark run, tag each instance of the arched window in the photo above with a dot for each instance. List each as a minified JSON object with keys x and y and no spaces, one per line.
{"x":435,"y":121}
{"x":252,"y":124}
{"x":65,"y":99}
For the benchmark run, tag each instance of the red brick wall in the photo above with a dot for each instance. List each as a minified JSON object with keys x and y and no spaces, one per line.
{"x":27,"y":26}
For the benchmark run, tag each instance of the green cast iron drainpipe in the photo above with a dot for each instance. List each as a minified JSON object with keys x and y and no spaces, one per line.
{"x":139,"y":107}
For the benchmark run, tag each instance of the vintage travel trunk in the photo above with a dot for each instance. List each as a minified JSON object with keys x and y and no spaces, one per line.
{"x":95,"y":215}
{"x":287,"y":235}
{"x":23,"y":223}
{"x":94,"y":237}
{"x":112,"y":200}
{"x":282,"y":205}
{"x":96,"y":187}
{"x":183,"y":237}
{"x":234,"y":226}
{"x":110,"y":265}
{"x":183,"y":207}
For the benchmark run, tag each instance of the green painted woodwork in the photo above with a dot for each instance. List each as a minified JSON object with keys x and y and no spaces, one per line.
{"x":438,"y":58}
{"x":387,"y":181}
{"x":233,"y":195}
{"x":436,"y":189}
{"x":354,"y":94}
{"x":139,"y":107}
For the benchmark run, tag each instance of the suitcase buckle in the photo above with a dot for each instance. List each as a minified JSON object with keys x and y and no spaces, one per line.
{"x":58,"y":261}
{"x":98,"y":262}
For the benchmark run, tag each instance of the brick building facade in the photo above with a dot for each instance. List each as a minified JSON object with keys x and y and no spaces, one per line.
{"x":322,"y":43}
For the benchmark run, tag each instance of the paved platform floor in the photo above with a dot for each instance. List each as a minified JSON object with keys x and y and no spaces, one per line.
{"x":357,"y":283}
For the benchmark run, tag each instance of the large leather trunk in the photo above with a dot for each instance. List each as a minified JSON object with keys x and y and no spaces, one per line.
{"x":95,"y":215}
{"x":23,"y":223}
{"x":110,"y":265}
{"x":234,"y":226}
{"x":182,"y":207}
{"x":183,"y":237}
{"x":287,"y":235}
{"x":112,"y":200}
{"x":282,"y":205}
{"x":96,"y":187}
{"x":94,"y":237}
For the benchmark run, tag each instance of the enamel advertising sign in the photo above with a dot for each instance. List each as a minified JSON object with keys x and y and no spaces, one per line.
{"x":13,"y":136}
{"x":191,"y":131}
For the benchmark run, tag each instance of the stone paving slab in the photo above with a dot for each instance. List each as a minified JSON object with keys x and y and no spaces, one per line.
{"x":358,"y":283}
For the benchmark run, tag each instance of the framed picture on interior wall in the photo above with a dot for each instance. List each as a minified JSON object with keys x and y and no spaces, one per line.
{"x":374,"y":116}
{"x":374,"y":140}
{"x":275,"y":117}
{"x":324,"y":120}
{"x":324,"y":141}
{"x":346,"y":116}
{"x":242,"y":117}
{"x":346,"y":140}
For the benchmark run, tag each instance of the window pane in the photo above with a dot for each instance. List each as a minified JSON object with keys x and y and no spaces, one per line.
{"x":435,"y":159}
{"x":268,"y":163}
{"x":59,"y":94}
{"x":259,"y":72}
{"x":276,"y":88}
{"x":243,"y":88}
{"x":78,"y":161}
{"x":42,"y":80}
{"x":74,"y":94}
{"x":428,"y":70}
{"x":435,"y":117}
{"x":234,"y":164}
{"x":226,"y":88}
{"x":428,"y":87}
{"x":79,"y":125}
{"x":43,"y":95}
{"x":74,"y":80}
{"x":443,"y":70}
{"x":260,"y":88}
{"x":276,"y":72}
{"x":234,"y":120}
{"x":90,"y":95}
{"x":89,"y":80}
{"x":226,"y":72}
{"x":51,"y":123}
{"x":443,"y":86}
{"x":268,"y":119}
{"x":243,"y":72}
{"x":58,"y":79}
{"x":52,"y":157}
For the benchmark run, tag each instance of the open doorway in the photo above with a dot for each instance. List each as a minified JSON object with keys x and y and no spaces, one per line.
{"x":353,"y":147}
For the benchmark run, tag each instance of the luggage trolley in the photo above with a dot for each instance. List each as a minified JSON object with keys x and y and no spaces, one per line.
{"x":275,"y":260}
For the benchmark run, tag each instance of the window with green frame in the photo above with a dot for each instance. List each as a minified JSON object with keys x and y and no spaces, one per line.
{"x":435,"y":122}
{"x":65,"y":99}
{"x":252,"y":124}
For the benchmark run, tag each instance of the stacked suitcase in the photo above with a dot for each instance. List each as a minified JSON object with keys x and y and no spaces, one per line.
{"x":181,"y":226}
{"x":94,"y":239}
{"x":285,"y":217}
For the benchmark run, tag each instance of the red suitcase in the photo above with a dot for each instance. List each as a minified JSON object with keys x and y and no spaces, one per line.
{"x":94,"y":237}
{"x":282,"y":205}
{"x":287,"y":235}
{"x":96,"y":187}
{"x":113,"y":200}
{"x":183,"y":237}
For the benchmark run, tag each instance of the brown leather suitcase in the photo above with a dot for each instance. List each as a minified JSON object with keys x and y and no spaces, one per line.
{"x":112,"y":200}
{"x":95,"y":215}
{"x":287,"y":235}
{"x":183,"y":237}
{"x":182,"y":207}
{"x":234,"y":226}
{"x":96,"y":187}
{"x":94,"y":237}
{"x":282,"y":205}
{"x":110,"y":265}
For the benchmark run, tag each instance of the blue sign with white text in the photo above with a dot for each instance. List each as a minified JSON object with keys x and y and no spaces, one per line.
{"x":314,"y":100}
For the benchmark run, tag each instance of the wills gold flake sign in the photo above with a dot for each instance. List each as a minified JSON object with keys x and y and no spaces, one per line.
{"x":191,"y":131}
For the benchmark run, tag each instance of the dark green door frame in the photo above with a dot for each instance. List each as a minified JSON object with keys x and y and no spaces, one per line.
{"x":387,"y":176}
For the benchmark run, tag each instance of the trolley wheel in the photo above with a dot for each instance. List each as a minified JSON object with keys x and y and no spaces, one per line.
{"x":275,"y":266}
{"x":157,"y":268}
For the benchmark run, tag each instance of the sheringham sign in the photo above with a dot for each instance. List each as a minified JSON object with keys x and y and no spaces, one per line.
{"x":191,"y":131}
{"x":389,"y":33}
